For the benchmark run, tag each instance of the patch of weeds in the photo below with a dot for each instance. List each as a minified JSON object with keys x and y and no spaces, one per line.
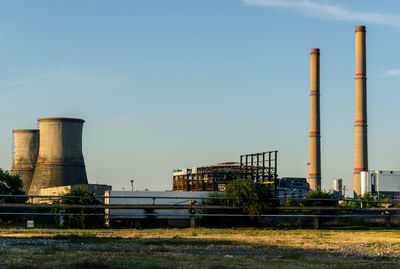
{"x":67,"y":236}
{"x":92,"y":264}
{"x":194,"y":233}
{"x":176,"y":237}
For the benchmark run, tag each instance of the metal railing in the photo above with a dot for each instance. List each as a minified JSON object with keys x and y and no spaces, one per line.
{"x":197,"y":210}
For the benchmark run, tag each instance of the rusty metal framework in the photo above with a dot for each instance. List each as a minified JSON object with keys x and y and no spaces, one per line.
{"x":260,"y":167}
{"x":257,"y":167}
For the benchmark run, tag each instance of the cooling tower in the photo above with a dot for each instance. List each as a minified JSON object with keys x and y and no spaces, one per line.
{"x":360,"y":124}
{"x":60,"y":160}
{"x":314,"y":167}
{"x":26,"y":145}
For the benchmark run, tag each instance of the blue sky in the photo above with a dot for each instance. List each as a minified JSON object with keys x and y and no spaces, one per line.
{"x":182,"y":83}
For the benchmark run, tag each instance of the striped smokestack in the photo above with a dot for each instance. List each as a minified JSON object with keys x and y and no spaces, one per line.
{"x":314,"y":168}
{"x":360,"y":124}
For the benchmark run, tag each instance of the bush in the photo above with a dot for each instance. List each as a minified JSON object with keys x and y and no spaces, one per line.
{"x":255,"y":198}
{"x":363,"y":202}
{"x":320,"y":194}
{"x":81,"y":196}
{"x":292,"y":203}
{"x":218,"y":221}
{"x":11,"y":185}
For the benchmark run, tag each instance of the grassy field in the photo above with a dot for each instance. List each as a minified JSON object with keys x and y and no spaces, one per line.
{"x":198,"y":248}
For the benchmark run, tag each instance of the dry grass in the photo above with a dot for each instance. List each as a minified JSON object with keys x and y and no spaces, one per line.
{"x":203,"y":248}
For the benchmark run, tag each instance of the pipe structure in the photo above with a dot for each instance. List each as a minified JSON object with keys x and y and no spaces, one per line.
{"x":26,"y":145}
{"x":314,"y":165}
{"x":360,"y":124}
{"x":60,"y":160}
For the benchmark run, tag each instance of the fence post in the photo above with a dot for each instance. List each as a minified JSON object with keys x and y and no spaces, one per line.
{"x":316,"y":222}
{"x":316,"y":219}
{"x":192,"y":216}
{"x":387,"y":220}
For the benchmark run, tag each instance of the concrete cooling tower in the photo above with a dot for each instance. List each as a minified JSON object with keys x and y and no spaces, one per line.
{"x":26,"y":145}
{"x":60,"y":160}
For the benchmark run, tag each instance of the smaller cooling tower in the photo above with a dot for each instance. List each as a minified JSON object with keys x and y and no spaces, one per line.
{"x":60,"y":160}
{"x":26,"y":145}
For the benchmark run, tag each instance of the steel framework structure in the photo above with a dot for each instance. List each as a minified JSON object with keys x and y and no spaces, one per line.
{"x":257,"y":167}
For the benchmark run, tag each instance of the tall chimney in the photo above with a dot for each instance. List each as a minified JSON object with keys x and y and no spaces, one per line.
{"x":360,"y":124}
{"x":314,"y":168}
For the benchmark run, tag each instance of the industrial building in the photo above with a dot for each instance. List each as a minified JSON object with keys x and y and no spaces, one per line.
{"x":121,"y":217}
{"x":293,"y":187}
{"x":257,"y":167}
{"x":96,"y":189}
{"x":338,"y":188}
{"x":382,"y":184}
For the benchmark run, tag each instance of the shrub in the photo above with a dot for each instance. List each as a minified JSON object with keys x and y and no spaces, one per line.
{"x":81,"y":196}
{"x":364,"y":201}
{"x":11,"y":185}
{"x":324,"y":197}
{"x":255,"y":198}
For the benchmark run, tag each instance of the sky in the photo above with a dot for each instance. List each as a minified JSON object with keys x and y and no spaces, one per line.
{"x":181,"y":83}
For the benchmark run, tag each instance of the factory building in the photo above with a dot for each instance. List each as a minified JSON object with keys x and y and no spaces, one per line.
{"x":382,"y":184}
{"x":293,"y":188}
{"x":337,"y":188}
{"x":207,"y":178}
{"x":257,"y":167}
{"x":170,"y":217}
{"x":96,"y":189}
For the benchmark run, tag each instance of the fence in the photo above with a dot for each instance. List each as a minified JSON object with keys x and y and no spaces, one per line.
{"x":196,"y":211}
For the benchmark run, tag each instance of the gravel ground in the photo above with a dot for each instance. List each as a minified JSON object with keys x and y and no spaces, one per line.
{"x":375,"y":251}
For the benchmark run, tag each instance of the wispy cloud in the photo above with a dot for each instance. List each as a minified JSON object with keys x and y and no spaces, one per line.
{"x":392,"y":73}
{"x":325,"y":10}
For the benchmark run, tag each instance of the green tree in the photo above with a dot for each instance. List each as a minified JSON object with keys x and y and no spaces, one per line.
{"x":11,"y":184}
{"x":365,"y":201}
{"x":255,"y":198}
{"x":81,"y":196}
{"x":320,"y":198}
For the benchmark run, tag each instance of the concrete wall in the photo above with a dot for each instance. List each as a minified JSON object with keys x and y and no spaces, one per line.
{"x":26,"y":145}
{"x":60,"y":161}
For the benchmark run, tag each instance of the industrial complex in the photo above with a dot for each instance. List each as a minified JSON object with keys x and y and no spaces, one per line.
{"x":50,"y":159}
